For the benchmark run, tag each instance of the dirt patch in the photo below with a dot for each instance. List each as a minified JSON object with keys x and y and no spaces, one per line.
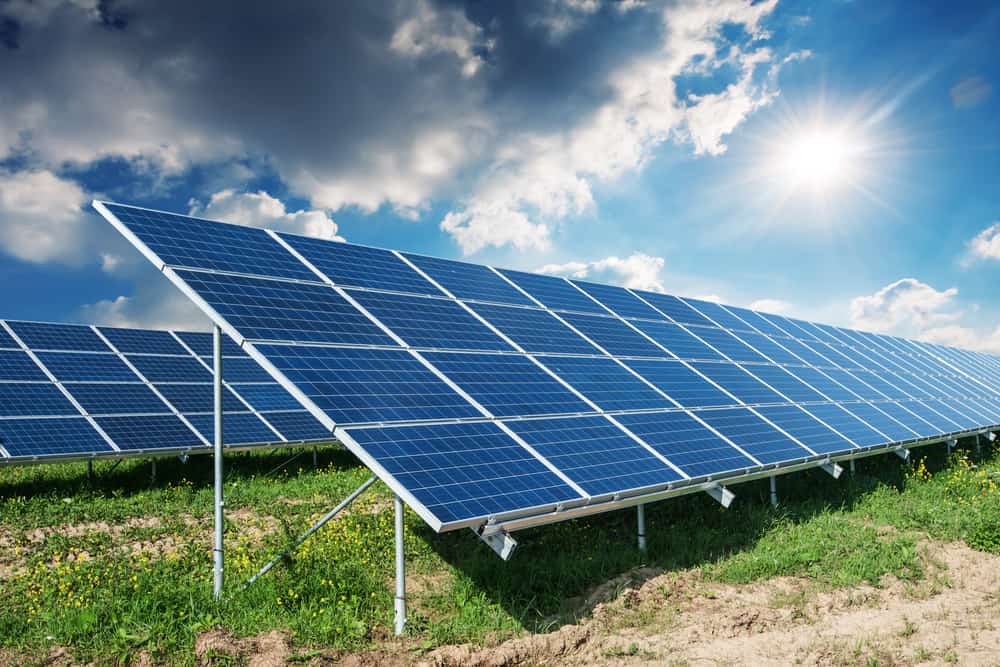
{"x":220,"y":647}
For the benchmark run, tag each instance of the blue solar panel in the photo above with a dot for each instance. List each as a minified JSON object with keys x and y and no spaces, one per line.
{"x":783,"y":382}
{"x":754,"y":435}
{"x":758,"y":322}
{"x":614,"y":336}
{"x":854,"y":385}
{"x":784,"y":325}
{"x":534,"y":330}
{"x":909,"y":384}
{"x":142,"y":341}
{"x":76,"y":338}
{"x":940,"y":422}
{"x":298,"y":425}
{"x":719,"y":315}
{"x":686,"y":443}
{"x":969,"y":409}
{"x":265,"y":397}
{"x":554,"y":293}
{"x":202,"y":344}
{"x":595,"y":454}
{"x":675,"y":308}
{"x":463,"y":471}
{"x":768,"y":347}
{"x":363,"y":386}
{"x":50,"y":437}
{"x":198,"y":398}
{"x":16,"y":365}
{"x":727,"y":344}
{"x":870,"y":414}
{"x":822,"y":383}
{"x":427,"y":322}
{"x":817,"y":332}
{"x":6,"y":342}
{"x":507,"y":385}
{"x":84,"y":367}
{"x":988,"y":407}
{"x":884,"y":361}
{"x":171,"y":369}
{"x":850,"y":358}
{"x":276,"y":310}
{"x":202,"y":244}
{"x":806,"y":354}
{"x":802,"y":330}
{"x":469,"y":281}
{"x":619,"y":300}
{"x":23,"y":399}
{"x":738,"y":382}
{"x":240,"y":370}
{"x":880,"y":385}
{"x":949,"y":411}
{"x":361,"y":266}
{"x":909,"y":418}
{"x":678,"y":340}
{"x":681,"y":383}
{"x":606,"y":383}
{"x":238,"y":428}
{"x":847,"y":425}
{"x":155,"y":432}
{"x":117,"y":399}
{"x":803,"y":427}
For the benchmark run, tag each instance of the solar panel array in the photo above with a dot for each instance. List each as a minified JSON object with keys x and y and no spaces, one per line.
{"x":71,"y":391}
{"x":482,"y":394}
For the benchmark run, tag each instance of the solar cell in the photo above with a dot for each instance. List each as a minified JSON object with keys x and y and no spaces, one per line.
{"x":534,"y":330}
{"x":507,"y":385}
{"x":803,"y":427}
{"x":940,"y":422}
{"x":595,"y":454}
{"x":117,"y":399}
{"x":947,"y":409}
{"x":298,"y":425}
{"x":198,"y":398}
{"x":880,"y":421}
{"x":619,"y":300}
{"x":686,"y":443}
{"x":6,"y":342}
{"x":203,"y":345}
{"x":854,"y":385}
{"x":265,"y":397}
{"x":783,"y":382}
{"x":17,"y":365}
{"x":240,"y":370}
{"x":719,"y":315}
{"x":988,"y":407}
{"x":767,"y":347}
{"x":681,"y":383}
{"x":50,"y":437}
{"x":822,"y":383}
{"x":727,"y":344}
{"x":170,"y":369}
{"x":849,"y":426}
{"x":908,"y":384}
{"x":678,"y":340}
{"x":834,"y":355}
{"x":614,"y":336}
{"x":809,"y":330}
{"x":805,"y":353}
{"x":202,"y":244}
{"x":23,"y":399}
{"x":277,"y":310}
{"x":360,"y":266}
{"x":738,"y":382}
{"x":972,"y":410}
{"x":430,"y":323}
{"x":86,"y":367}
{"x":238,"y":428}
{"x":364,"y":386}
{"x":469,"y":281}
{"x":554,"y":293}
{"x":880,"y":385}
{"x":908,"y":418}
{"x":149,"y":432}
{"x":758,"y":322}
{"x":783,"y":325}
{"x":675,"y":308}
{"x":70,"y":337}
{"x":754,"y":435}
{"x":464,"y":471}
{"x":142,"y":341}
{"x":606,"y":383}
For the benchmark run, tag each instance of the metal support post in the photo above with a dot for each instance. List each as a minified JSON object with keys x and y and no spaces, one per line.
{"x":315,"y":458}
{"x":218,"y":552}
{"x":640,"y":512}
{"x":400,"y":602}
{"x":979,"y":448}
{"x":852,"y":468}
{"x":774,"y":492}
{"x":90,"y":470}
{"x":951,"y":444}
{"x":152,"y":472}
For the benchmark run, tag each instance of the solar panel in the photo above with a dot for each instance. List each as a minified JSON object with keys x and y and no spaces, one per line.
{"x":738,"y":382}
{"x":753,"y":435}
{"x":264,"y":397}
{"x":143,"y":341}
{"x":678,"y":340}
{"x":240,"y":370}
{"x":554,"y":293}
{"x":85,"y":367}
{"x":719,"y":315}
{"x":17,"y":365}
{"x":803,"y":427}
{"x":614,"y":336}
{"x":871,"y":414}
{"x":117,"y":399}
{"x":6,"y":342}
{"x":854,"y":385}
{"x":846,"y":424}
{"x":507,"y":385}
{"x":595,"y":454}
{"x":767,"y":347}
{"x":69,"y":337}
{"x":822,"y":383}
{"x":951,"y":413}
{"x":239,"y":428}
{"x":23,"y":399}
{"x":203,"y":346}
{"x":50,"y":437}
{"x":159,"y":369}
{"x":149,"y":432}
{"x":606,"y":383}
{"x":675,"y":308}
{"x":469,"y":281}
{"x":758,"y":322}
{"x":805,"y":353}
{"x":727,"y":344}
{"x":686,"y":443}
{"x":298,"y":425}
{"x":909,"y":418}
{"x":619,"y":300}
{"x":534,"y":330}
{"x":783,"y":382}
{"x":680,"y":383}
{"x":198,"y":398}
{"x":460,"y":472}
{"x":940,"y":422}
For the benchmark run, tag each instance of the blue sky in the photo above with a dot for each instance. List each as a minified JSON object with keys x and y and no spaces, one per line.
{"x":838,"y":161}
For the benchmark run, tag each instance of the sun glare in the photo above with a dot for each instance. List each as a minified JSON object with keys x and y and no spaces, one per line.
{"x":819,"y":160}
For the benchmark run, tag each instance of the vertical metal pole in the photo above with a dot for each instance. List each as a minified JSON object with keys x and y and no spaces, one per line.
{"x":979,"y":448}
{"x":90,"y":470}
{"x":640,"y":515}
{"x":315,"y":458}
{"x":852,"y":467}
{"x":152,"y":472}
{"x":774,"y":492}
{"x":217,"y":552}
{"x":400,"y":602}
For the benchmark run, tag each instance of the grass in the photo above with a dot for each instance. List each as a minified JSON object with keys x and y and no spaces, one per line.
{"x":118,"y":564}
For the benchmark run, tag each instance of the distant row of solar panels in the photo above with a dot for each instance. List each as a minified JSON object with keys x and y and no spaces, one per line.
{"x":478,"y":393}
{"x":71,"y":391}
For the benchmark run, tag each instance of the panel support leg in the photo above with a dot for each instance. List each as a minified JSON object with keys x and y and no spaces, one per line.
{"x":774,"y":492}
{"x":90,"y":470}
{"x":640,"y":515}
{"x":951,"y":444}
{"x":721,"y":495}
{"x":853,"y":468}
{"x":152,"y":472}
{"x":315,"y":458}
{"x":979,"y":448}
{"x":400,"y":600}
{"x":904,"y":453}
{"x":218,"y":552}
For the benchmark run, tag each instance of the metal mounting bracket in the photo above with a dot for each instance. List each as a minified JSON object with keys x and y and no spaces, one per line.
{"x":832,"y":469}
{"x":904,"y":453}
{"x":991,"y":436}
{"x":951,"y":444}
{"x":721,"y":494}
{"x":502,"y":543}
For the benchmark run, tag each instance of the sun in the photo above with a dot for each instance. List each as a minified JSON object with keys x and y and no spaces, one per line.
{"x":819,"y":159}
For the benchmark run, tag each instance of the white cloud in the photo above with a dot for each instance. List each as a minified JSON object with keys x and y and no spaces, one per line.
{"x":638,"y":270}
{"x":969,"y":92}
{"x":559,"y":18}
{"x":157,"y":304}
{"x":774,"y":306}
{"x":539,"y":180}
{"x":433,"y":31}
{"x":259,"y":209}
{"x":986,"y":244}
{"x":42,"y":217}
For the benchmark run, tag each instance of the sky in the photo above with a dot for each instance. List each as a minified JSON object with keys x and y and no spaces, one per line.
{"x":837,"y":161}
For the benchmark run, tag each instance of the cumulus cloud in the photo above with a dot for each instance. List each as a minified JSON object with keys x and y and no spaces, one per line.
{"x":775,"y":306}
{"x":986,"y":244}
{"x":259,"y":209}
{"x":156,"y":306}
{"x":638,"y":270}
{"x":429,"y":31}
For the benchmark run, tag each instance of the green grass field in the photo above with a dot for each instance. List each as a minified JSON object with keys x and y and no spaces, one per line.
{"x":117,"y":565}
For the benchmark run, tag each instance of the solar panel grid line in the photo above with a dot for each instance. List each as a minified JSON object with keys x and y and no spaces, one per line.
{"x":151,"y":386}
{"x":694,"y":415}
{"x":861,"y":409}
{"x":93,"y":423}
{"x":646,"y":446}
{"x":970,"y":376}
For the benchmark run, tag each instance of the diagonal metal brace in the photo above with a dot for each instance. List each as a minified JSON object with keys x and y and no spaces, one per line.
{"x":502,"y":543}
{"x":832,"y":469}
{"x":721,"y":495}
